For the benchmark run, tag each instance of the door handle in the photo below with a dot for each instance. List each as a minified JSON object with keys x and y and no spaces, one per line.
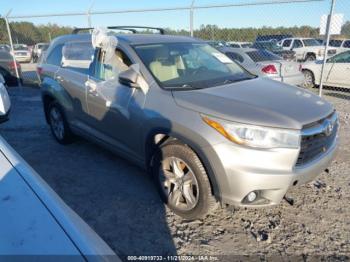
{"x":91,"y":88}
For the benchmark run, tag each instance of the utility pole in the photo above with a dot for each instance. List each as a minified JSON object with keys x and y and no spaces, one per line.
{"x":328,"y":35}
{"x":11,"y":44}
{"x":191,"y":17}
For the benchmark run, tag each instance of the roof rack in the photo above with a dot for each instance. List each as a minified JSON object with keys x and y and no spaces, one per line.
{"x":126,"y":28}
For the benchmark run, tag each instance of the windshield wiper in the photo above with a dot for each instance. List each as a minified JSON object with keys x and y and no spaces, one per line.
{"x":185,"y":87}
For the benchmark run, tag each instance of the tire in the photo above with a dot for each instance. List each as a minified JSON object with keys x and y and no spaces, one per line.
{"x":310,"y":57}
{"x":309,"y":79}
{"x":58,"y":124}
{"x":189,"y":196}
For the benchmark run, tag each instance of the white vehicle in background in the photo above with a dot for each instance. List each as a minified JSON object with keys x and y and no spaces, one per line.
{"x":341,"y":45}
{"x":266,"y":64}
{"x":22,"y":53}
{"x":306,"y":49}
{"x":34,"y":220}
{"x":336,"y":74}
{"x":38,"y":50}
{"x":235,"y":44}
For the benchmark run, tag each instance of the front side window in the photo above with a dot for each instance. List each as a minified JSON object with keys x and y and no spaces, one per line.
{"x":189,"y":65}
{"x":119,"y":63}
{"x":341,"y":58}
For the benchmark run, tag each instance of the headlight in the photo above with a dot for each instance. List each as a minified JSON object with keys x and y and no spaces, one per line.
{"x":256,"y":136}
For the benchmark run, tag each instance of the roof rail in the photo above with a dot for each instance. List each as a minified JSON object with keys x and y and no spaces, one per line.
{"x":126,"y":28}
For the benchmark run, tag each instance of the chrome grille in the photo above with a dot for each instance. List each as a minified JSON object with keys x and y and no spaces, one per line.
{"x":317,"y":139}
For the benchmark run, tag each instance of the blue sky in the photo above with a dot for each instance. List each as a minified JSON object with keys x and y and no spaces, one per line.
{"x":249,"y":16}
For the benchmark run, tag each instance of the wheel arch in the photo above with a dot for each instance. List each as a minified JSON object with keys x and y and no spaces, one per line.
{"x":161,"y":136}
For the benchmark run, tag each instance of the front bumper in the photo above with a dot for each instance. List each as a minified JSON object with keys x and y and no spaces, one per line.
{"x":269,"y":173}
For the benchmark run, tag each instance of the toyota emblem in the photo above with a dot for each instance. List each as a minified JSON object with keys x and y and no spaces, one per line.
{"x":328,"y":128}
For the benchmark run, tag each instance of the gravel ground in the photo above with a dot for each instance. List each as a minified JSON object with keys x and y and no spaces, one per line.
{"x":119,"y":201}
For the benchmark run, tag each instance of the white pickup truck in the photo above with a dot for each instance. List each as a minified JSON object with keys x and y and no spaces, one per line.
{"x":306,"y":49}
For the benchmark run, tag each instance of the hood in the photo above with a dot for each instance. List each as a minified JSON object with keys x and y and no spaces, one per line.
{"x":258,"y":101}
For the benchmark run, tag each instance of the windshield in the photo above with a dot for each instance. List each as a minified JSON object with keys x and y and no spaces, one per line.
{"x":311,"y":42}
{"x":189,"y":65}
{"x":262,"y":55}
{"x":20,"y":47}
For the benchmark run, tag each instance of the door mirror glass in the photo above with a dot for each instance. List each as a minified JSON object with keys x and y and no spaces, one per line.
{"x":129,"y":78}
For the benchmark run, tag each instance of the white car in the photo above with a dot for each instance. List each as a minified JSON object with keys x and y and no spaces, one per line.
{"x":336,"y":74}
{"x":306,"y":49}
{"x":22,"y":53}
{"x":266,"y":64}
{"x":235,"y":44}
{"x":34,"y":220}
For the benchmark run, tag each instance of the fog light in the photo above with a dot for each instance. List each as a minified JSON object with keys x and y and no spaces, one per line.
{"x":251,"y":196}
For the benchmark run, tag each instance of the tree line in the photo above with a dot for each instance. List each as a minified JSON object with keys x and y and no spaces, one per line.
{"x":29,"y":33}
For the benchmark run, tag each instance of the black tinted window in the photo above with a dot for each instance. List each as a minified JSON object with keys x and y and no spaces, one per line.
{"x":347,"y":44}
{"x":55,"y":57}
{"x":287,"y":43}
{"x":262,"y":55}
{"x":235,"y":57}
{"x":335,"y":43}
{"x":5,"y":55}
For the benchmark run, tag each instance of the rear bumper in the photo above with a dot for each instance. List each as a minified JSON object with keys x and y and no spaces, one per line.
{"x":23,"y":58}
{"x":297,"y":80}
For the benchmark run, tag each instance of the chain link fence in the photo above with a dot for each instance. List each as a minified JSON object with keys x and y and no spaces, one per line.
{"x":267,"y":37}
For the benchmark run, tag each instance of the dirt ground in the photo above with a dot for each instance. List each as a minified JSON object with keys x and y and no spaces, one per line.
{"x":120,"y":203}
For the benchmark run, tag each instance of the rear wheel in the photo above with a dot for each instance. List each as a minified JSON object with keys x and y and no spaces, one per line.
{"x":309,"y":79}
{"x":310,"y":57}
{"x":182,"y":182}
{"x":58,"y":124}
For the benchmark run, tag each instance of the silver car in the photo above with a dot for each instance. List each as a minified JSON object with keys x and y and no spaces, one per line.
{"x":207,"y":130}
{"x":266,"y":64}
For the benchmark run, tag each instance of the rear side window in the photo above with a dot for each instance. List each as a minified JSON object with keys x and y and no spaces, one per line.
{"x":55,"y":56}
{"x":77,"y":55}
{"x":262,"y":55}
{"x":234,"y":45}
{"x":335,"y":43}
{"x":286,"y":43}
{"x":346,"y":44}
{"x":297,"y":44}
{"x":235,"y":57}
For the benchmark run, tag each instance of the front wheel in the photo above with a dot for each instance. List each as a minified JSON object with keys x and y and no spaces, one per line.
{"x":309,"y":80}
{"x":59,"y":125}
{"x":182,"y":182}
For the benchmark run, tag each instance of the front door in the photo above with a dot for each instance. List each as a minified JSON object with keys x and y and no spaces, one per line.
{"x":339,"y":74}
{"x":114,"y":109}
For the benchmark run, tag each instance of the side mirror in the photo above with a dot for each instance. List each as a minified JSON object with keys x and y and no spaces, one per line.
{"x":129,"y":78}
{"x":2,"y":80}
{"x":5,"y":103}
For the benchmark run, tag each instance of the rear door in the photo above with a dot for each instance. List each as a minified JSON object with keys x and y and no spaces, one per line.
{"x":72,"y":76}
{"x":298,"y":48}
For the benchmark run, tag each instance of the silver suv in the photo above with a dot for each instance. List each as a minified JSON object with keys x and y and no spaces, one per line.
{"x":205,"y":128}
